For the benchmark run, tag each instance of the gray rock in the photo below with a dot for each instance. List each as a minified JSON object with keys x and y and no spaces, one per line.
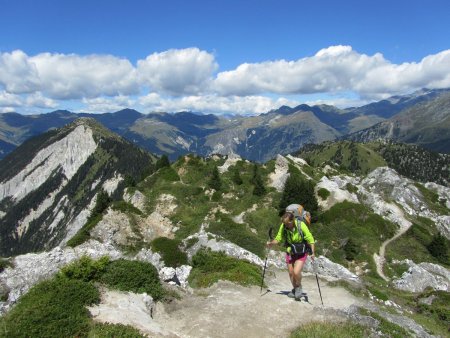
{"x":421,"y":276}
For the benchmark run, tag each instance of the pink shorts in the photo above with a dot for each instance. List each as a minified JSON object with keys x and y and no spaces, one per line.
{"x":292,"y":259}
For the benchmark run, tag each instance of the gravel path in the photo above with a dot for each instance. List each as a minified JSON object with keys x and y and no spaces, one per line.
{"x":229,"y":310}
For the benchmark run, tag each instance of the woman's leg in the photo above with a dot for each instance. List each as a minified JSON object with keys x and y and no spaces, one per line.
{"x":297,"y":275}
{"x":291,"y":273}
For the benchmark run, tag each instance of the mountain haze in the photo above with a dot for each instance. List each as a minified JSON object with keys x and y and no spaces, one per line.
{"x":285,"y":129}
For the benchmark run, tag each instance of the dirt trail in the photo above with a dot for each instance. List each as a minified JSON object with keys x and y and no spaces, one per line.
{"x":229,"y":310}
{"x":380,"y":259}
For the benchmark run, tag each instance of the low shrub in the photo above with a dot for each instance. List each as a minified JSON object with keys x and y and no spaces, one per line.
{"x":53,"y":308}
{"x":237,"y":233}
{"x":84,"y":233}
{"x":134,"y":276}
{"x":113,"y":330}
{"x":209,"y":267}
{"x":323,"y":193}
{"x":331,"y":330}
{"x":125,"y":208}
{"x":85,"y":269}
{"x":170,"y":251}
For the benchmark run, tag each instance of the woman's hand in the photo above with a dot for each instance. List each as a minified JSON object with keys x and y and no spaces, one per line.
{"x":313,"y":256}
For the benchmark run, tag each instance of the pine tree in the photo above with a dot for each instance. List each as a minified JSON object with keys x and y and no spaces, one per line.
{"x":259,"y":189}
{"x":215,"y":182}
{"x":237,"y":176}
{"x":438,"y":248}
{"x":162,"y":162}
{"x":297,"y":190}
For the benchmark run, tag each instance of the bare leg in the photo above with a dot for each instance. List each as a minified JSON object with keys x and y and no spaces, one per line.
{"x":291,"y":273}
{"x":297,"y":273}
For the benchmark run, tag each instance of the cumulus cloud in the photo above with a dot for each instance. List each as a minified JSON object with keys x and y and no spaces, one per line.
{"x":10,"y":100}
{"x":189,"y":79}
{"x":215,"y":104}
{"x":178,"y":71}
{"x":107,"y":105}
{"x":60,"y":76}
{"x":336,"y":69}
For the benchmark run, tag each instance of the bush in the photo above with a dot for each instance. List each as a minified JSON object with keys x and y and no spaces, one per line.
{"x":438,"y":248}
{"x":84,"y":233}
{"x":85,"y":269}
{"x":237,"y":233}
{"x":53,"y":308}
{"x":113,"y":330}
{"x":331,"y":330}
{"x":170,"y":251}
{"x":134,"y":276}
{"x":209,"y":267}
{"x":4,"y":263}
{"x":169,"y":174}
{"x":126,"y":208}
{"x":214,"y":181}
{"x":351,"y":250}
{"x":351,"y":188}
{"x":323,"y":193}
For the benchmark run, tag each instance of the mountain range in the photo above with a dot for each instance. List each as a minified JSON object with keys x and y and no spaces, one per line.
{"x":82,"y":192}
{"x":421,"y":118}
{"x":49,"y":184}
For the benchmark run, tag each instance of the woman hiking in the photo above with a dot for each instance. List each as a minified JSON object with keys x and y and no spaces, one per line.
{"x":290,"y":236}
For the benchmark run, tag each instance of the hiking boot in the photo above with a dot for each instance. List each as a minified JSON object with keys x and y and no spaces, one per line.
{"x":291,"y":294}
{"x":298,"y":293}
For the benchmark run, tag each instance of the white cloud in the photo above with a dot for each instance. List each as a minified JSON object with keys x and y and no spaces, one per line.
{"x":336,"y":69}
{"x":186,"y":79}
{"x":215,"y":104}
{"x":17,"y":74}
{"x":9,"y":100}
{"x":72,"y":76}
{"x":178,"y":71}
{"x":39,"y":101}
{"x":107,"y":105}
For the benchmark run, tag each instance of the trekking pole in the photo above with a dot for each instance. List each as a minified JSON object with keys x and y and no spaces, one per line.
{"x":265,"y":263}
{"x":320,"y":293}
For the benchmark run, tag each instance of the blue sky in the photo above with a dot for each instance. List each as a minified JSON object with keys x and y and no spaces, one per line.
{"x":225,"y":56}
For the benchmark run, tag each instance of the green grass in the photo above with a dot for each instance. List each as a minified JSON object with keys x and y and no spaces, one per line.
{"x":101,"y":330}
{"x":84,"y":233}
{"x":125,"y":208}
{"x":386,"y":327}
{"x":330,"y":330}
{"x":237,"y":233}
{"x":432,"y":200}
{"x":346,"y":221}
{"x":413,"y":244}
{"x":323,"y":193}
{"x":53,"y":308}
{"x":169,"y":249}
{"x":209,"y":267}
{"x":134,"y":276}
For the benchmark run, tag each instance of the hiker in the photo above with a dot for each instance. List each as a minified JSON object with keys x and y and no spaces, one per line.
{"x":288,"y":234}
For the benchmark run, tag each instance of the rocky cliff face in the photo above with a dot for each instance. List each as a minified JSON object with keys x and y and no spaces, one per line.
{"x":48,"y":187}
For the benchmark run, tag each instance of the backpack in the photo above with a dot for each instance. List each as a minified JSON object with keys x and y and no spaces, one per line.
{"x":299,"y":213}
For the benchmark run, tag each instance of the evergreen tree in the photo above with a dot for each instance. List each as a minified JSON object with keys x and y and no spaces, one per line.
{"x":101,"y":203}
{"x":438,"y":248}
{"x":237,"y":176}
{"x":259,"y":189}
{"x":215,"y":182}
{"x":162,"y":162}
{"x":298,"y":191}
